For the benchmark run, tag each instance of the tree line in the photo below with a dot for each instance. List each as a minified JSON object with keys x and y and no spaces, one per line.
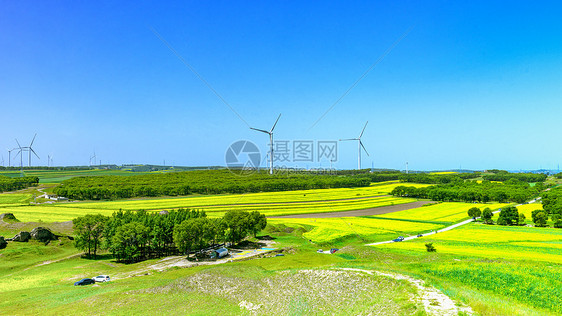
{"x":471,"y":191}
{"x":12,"y":184}
{"x":196,"y":182}
{"x":140,"y":235}
{"x":428,"y":178}
{"x":525,"y":177}
{"x":510,"y":216}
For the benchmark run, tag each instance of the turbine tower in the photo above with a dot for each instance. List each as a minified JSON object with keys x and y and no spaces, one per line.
{"x":10,"y":156}
{"x":270,"y":142}
{"x":20,"y":152}
{"x":359,"y":145}
{"x":30,"y":150}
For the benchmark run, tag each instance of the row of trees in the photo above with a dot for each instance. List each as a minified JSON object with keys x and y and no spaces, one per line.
{"x":428,"y":178}
{"x":510,"y":216}
{"x":525,"y":177}
{"x":470,"y":191}
{"x":197,"y":182}
{"x":12,"y":184}
{"x":135,"y":236}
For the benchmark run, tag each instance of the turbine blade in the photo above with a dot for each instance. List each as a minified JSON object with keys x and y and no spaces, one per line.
{"x":275,"y":123}
{"x":363,"y":129}
{"x":18,"y":143}
{"x":346,"y":139}
{"x":259,"y":130}
{"x":33,"y":151}
{"x":360,"y":142}
{"x":33,"y":140}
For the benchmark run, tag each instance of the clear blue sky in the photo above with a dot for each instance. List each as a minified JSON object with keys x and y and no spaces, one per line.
{"x":475,"y":84}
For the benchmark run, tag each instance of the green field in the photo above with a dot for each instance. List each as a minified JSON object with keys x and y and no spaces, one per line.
{"x":495,"y":270}
{"x":55,"y":176}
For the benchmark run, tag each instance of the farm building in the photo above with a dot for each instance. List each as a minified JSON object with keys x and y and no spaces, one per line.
{"x":219,"y":253}
{"x":54,"y":197}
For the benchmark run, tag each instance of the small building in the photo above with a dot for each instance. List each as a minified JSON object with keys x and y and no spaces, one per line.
{"x":55,"y":197}
{"x":219,"y":253}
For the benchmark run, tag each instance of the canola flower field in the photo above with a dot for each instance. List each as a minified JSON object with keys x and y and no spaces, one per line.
{"x":269,"y":203}
{"x":368,"y":228}
{"x":479,"y":240}
{"x":442,"y":212}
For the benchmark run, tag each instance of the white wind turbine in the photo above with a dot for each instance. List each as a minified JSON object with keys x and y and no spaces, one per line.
{"x":270,"y":142}
{"x":359,"y":145}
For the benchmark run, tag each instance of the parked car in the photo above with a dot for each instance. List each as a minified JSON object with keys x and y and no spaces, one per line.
{"x":398,"y":239}
{"x":333,"y":250}
{"x":85,"y":282}
{"x":279,"y":255}
{"x":320,"y":251}
{"x":419,"y":235}
{"x":102,"y":278}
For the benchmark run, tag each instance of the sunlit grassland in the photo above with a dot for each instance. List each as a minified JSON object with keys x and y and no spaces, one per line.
{"x":300,"y":283}
{"x":443,"y":212}
{"x":7,"y":199}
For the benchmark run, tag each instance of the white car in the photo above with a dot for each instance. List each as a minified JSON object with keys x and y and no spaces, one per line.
{"x":101,"y":278}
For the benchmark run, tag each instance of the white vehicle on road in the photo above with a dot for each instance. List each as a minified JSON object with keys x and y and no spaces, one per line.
{"x":102,"y":278}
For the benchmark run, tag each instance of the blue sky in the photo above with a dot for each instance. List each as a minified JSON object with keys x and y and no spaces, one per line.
{"x":473,"y":84}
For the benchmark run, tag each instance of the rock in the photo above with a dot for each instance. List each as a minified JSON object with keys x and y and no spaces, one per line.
{"x":164,"y":212}
{"x":22,"y":237}
{"x":42,"y":234}
{"x":3,"y":243}
{"x":8,"y":216}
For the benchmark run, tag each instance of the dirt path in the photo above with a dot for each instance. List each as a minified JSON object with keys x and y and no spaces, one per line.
{"x":434,"y":301}
{"x":365,"y":212}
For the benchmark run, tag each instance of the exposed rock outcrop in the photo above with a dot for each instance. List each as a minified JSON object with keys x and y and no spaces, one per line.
{"x":22,"y":237}
{"x":3,"y":243}
{"x":7,"y":216}
{"x":42,"y":234}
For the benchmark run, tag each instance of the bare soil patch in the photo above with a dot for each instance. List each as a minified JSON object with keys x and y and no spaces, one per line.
{"x":364,"y":212}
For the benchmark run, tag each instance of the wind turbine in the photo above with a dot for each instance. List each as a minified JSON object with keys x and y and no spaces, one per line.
{"x":30,"y":150}
{"x":10,"y":156}
{"x":20,"y":152}
{"x":93,"y":158}
{"x":270,"y":142}
{"x":359,"y":145}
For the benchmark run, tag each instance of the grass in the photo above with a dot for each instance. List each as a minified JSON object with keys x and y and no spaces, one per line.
{"x":300,"y":283}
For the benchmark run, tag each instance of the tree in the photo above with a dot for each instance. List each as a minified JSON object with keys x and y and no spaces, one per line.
{"x":257,"y":222}
{"x":89,"y":231}
{"x":487,"y":215}
{"x":474,"y":212}
{"x":430,"y":248}
{"x":508,"y":216}
{"x":187,"y":235}
{"x":557,"y":220}
{"x":129,"y":242}
{"x":540,"y":219}
{"x":238,"y":225}
{"x":521,"y":220}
